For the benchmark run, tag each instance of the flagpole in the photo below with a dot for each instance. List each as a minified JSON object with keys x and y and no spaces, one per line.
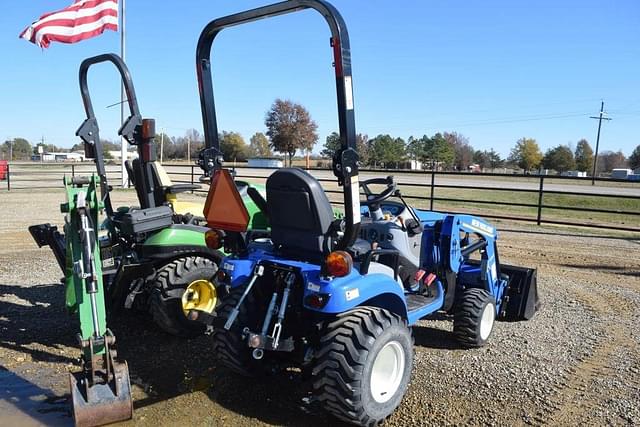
{"x":123,"y":142}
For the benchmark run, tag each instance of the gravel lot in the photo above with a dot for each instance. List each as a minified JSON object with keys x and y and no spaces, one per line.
{"x":577,"y":362}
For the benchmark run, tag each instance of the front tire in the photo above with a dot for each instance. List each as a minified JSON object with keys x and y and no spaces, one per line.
{"x":364,"y":364}
{"x":474,"y":317}
{"x":167,"y":300}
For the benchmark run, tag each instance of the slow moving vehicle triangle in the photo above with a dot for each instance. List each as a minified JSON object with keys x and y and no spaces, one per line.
{"x":224,"y":209}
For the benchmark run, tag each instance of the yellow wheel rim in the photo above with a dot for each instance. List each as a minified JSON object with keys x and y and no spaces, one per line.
{"x":199,"y":295}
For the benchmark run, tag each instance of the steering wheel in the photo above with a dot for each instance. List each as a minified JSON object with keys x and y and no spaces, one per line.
{"x":373,"y":200}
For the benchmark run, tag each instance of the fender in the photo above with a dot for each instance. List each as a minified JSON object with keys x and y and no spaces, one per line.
{"x":178,"y":235}
{"x":239,"y":271}
{"x":356,"y":290}
{"x":344,"y":293}
{"x":179,"y":240}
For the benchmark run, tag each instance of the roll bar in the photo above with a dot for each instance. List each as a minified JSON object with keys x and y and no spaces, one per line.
{"x":345,"y":162}
{"x":89,"y":131}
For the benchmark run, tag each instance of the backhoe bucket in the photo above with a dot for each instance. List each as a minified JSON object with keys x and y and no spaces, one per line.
{"x":103,"y":402}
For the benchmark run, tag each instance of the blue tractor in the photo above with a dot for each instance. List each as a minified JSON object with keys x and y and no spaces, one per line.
{"x":338,"y":298}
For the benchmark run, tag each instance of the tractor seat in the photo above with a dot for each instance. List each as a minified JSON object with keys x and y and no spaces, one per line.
{"x":163,"y":182}
{"x":299,"y":212}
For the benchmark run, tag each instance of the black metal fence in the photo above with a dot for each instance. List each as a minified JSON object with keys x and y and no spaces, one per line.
{"x":569,"y":201}
{"x":618,"y":200}
{"x":31,"y":176}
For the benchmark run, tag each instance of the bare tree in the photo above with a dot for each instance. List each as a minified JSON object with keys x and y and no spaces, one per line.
{"x":463,"y":150}
{"x":609,"y":160}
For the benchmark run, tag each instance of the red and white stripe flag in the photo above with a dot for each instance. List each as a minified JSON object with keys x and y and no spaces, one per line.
{"x":82,"y":20}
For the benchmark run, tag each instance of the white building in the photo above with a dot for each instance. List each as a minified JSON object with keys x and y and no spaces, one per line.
{"x":117,"y":155}
{"x":621,"y":173}
{"x":415,"y":165}
{"x":578,"y":174}
{"x":49,"y":156}
{"x":265,"y":162}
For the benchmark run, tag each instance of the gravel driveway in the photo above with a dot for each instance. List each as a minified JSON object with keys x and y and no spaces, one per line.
{"x":577,"y":362}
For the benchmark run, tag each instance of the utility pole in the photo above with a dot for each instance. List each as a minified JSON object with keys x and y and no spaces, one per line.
{"x":123,"y":95}
{"x":600,"y":118}
{"x":161,"y":145}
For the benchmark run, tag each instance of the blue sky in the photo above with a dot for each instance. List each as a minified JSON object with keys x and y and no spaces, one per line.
{"x":494,"y":71}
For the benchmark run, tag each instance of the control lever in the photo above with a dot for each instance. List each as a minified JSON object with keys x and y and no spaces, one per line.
{"x":270,"y":312}
{"x":258,"y":272}
{"x":277,"y":328}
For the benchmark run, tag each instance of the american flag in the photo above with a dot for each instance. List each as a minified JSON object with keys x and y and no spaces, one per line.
{"x":82,"y":20}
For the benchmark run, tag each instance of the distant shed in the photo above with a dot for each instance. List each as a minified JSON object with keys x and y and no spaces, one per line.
{"x":577,"y":174}
{"x":265,"y":162}
{"x":621,"y":173}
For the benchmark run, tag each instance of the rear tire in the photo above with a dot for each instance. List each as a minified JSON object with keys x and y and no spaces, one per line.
{"x":165,"y":301}
{"x":364,"y":364}
{"x":229,"y":346}
{"x":474,"y":317}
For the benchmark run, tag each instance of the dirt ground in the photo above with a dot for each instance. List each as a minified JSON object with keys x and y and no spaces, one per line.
{"x":576,"y":362}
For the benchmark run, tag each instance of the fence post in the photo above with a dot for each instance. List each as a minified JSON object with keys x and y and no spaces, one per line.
{"x":433,"y":177}
{"x":73,"y":171}
{"x":192,"y":170}
{"x":540,"y":193}
{"x":8,"y":177}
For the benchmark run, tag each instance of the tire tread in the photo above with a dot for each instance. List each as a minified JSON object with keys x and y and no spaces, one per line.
{"x":343,"y":351}
{"x":467,"y":316}
{"x":168,"y":286}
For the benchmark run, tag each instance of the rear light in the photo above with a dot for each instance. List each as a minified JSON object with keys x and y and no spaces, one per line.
{"x":214,"y":239}
{"x":338,"y":264}
{"x":221,"y":276}
{"x":148,"y":129}
{"x":317,"y":300}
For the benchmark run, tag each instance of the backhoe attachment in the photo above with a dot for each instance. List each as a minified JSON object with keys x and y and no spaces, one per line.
{"x":101,"y":391}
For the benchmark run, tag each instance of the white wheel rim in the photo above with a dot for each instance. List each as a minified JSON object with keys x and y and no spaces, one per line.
{"x":486,"y":323}
{"x":387,"y":372}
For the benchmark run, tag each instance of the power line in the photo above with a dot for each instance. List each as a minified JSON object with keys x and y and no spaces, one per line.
{"x":523,"y":119}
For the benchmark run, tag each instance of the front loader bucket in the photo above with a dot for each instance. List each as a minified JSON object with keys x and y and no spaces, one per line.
{"x":521,"y":299}
{"x":101,"y":403}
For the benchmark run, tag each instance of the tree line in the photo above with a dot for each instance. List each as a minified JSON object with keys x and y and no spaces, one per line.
{"x":290,"y":129}
{"x":527,"y":155}
{"x":451,"y":151}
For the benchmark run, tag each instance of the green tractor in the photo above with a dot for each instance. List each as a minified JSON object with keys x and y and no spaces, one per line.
{"x":154,"y":256}
{"x":157,"y":256}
